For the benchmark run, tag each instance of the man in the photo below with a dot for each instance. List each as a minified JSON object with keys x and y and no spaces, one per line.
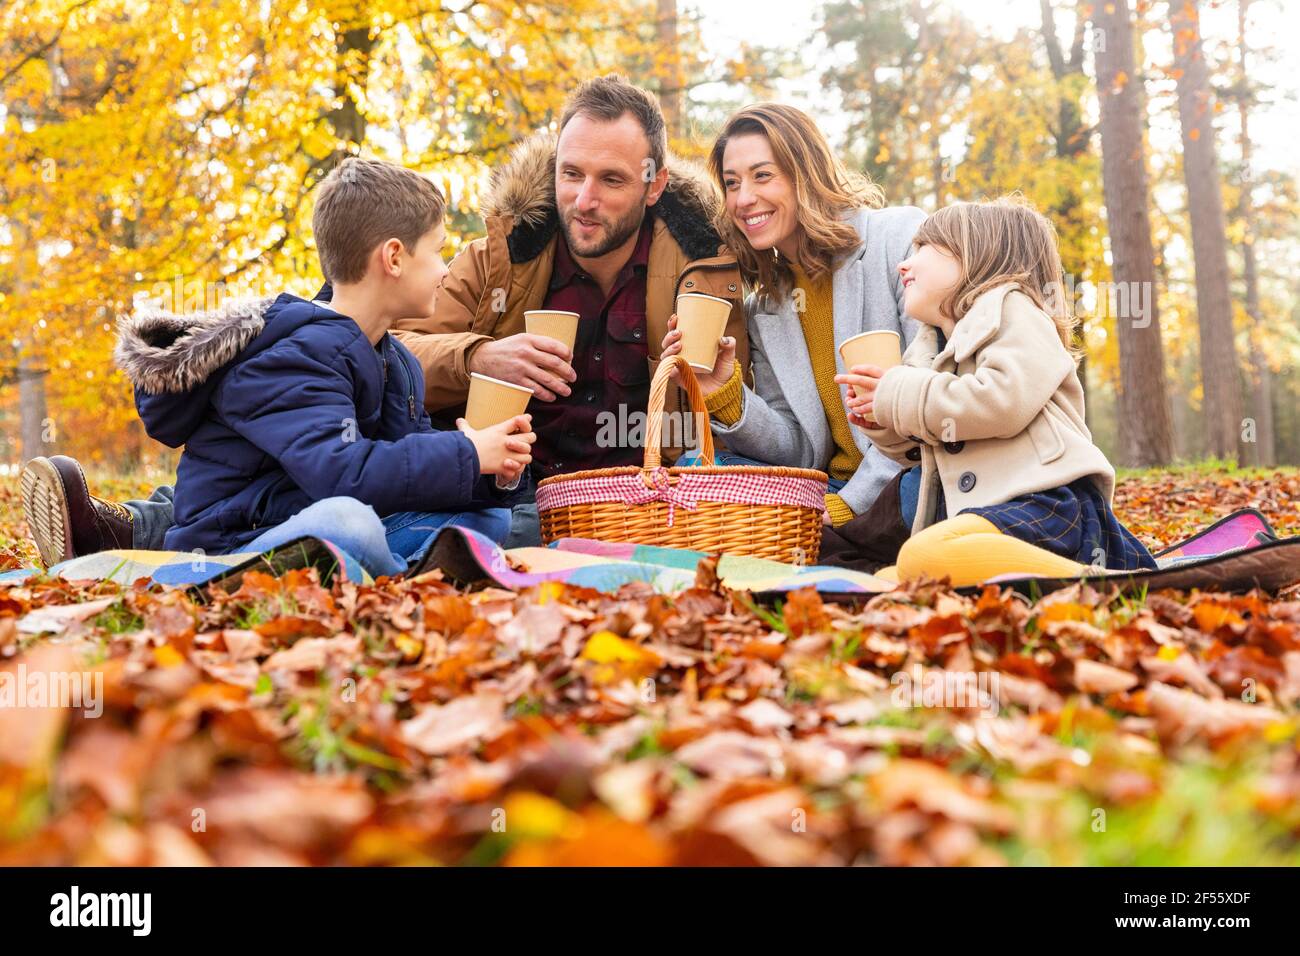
{"x":596,"y":222}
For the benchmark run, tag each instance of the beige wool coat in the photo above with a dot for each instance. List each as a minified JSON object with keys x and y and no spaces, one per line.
{"x":996,"y":414}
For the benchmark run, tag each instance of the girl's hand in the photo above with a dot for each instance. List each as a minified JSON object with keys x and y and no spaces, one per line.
{"x":862,"y":381}
{"x":710,"y":382}
{"x":864,"y":423}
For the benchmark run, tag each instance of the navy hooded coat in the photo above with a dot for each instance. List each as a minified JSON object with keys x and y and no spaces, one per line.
{"x":280,"y":403}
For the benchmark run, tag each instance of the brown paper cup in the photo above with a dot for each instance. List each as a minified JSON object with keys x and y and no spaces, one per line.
{"x":883,"y":349}
{"x":562,"y":326}
{"x":492,"y":401}
{"x":701,"y":319}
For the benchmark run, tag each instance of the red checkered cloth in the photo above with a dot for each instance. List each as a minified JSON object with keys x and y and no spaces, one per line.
{"x":739,"y":487}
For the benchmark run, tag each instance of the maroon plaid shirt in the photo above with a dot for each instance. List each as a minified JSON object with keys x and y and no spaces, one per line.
{"x":610,"y":358}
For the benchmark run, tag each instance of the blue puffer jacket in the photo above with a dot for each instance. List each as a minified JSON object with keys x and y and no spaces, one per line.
{"x":282,"y":402}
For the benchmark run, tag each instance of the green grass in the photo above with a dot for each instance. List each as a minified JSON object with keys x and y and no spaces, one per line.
{"x":323,"y":739}
{"x":1204,"y":468}
{"x":118,"y":619}
{"x":1204,"y":815}
{"x":775,"y":619}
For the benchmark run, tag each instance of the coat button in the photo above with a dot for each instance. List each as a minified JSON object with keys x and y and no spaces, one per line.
{"x":953,"y":447}
{"x":913,"y":454}
{"x":636,"y":334}
{"x":967,"y":481}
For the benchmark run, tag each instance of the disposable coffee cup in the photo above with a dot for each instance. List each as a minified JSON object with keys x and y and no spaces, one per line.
{"x":492,"y":401}
{"x":561,"y":326}
{"x":884,"y":349}
{"x":701,"y":319}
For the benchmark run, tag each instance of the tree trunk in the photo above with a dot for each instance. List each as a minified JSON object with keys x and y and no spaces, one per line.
{"x":1072,"y":138}
{"x":353,"y":45}
{"x":32,"y":413}
{"x":1262,"y":388}
{"x":1145,"y":434}
{"x":670,"y":91}
{"x":1220,"y":379}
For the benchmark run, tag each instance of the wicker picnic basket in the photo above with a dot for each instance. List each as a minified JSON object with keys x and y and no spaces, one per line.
{"x":766,"y":512}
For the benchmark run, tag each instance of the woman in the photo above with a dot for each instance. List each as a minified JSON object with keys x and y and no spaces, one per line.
{"x":820,"y":260}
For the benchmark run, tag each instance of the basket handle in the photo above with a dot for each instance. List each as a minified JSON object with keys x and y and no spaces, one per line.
{"x":654,"y":413}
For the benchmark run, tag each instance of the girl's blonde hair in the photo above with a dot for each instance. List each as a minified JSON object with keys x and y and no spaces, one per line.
{"x":825,"y":191}
{"x":1000,"y":241}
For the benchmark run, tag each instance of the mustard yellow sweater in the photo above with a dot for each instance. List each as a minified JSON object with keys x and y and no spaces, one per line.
{"x":818,"y":320}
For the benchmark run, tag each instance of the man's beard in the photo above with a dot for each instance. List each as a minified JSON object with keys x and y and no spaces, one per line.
{"x":615,"y":234}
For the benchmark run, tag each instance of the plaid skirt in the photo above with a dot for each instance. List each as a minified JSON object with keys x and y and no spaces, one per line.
{"x":1074,"y":521}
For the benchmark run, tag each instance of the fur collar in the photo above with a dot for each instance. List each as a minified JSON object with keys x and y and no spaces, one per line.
{"x":165,"y":352}
{"x":523,"y":191}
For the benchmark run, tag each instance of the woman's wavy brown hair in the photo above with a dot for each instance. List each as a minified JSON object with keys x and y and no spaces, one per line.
{"x":825,"y":192}
{"x":999,"y":241}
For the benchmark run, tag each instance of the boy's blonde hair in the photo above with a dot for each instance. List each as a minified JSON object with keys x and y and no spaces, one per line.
{"x":996,"y":242}
{"x":364,"y":202}
{"x":824,"y":188}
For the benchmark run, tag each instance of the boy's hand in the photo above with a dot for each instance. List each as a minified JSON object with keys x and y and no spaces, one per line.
{"x":710,"y":382}
{"x":504,"y":449}
{"x":538,"y":362}
{"x":862,"y":381}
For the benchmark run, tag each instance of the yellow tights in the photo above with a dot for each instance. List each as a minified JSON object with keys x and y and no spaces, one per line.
{"x":970,"y":549}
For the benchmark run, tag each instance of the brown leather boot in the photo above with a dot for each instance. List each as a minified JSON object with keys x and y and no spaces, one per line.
{"x":65,"y":520}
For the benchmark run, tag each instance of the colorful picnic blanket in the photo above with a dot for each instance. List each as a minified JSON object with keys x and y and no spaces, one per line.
{"x":1236,"y":553}
{"x":469,"y":558}
{"x":188,"y":568}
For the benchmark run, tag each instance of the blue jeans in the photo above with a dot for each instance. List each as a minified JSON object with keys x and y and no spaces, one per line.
{"x":387,"y":546}
{"x":151,"y":517}
{"x":525,"y":527}
{"x":692,"y":458}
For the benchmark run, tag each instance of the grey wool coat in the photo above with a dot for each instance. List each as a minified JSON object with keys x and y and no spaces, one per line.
{"x":783,"y":421}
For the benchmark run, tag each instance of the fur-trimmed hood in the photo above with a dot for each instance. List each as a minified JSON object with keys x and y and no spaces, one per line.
{"x":523,"y":191}
{"x":283,"y":402}
{"x":163,"y":351}
{"x":173,"y":360}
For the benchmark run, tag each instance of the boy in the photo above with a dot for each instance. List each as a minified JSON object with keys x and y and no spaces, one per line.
{"x":300,"y":418}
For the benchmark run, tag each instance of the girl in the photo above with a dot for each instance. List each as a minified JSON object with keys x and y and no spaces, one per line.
{"x":989,"y":402}
{"x":820,"y":257}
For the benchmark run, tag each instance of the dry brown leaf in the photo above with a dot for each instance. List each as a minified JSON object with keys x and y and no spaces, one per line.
{"x":730,"y":754}
{"x":1093,"y":677}
{"x":438,"y":730}
{"x":1182,"y":714}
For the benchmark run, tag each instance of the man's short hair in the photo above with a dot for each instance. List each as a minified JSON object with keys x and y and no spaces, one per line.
{"x":608,"y":98}
{"x":364,"y":202}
